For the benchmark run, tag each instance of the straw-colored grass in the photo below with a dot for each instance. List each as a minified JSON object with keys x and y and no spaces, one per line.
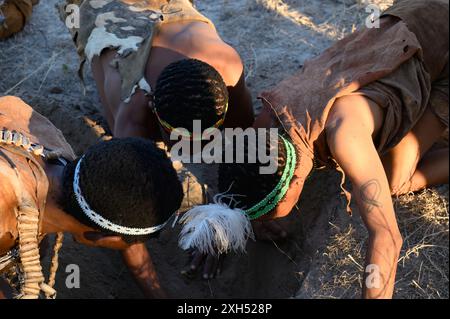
{"x":423,"y":266}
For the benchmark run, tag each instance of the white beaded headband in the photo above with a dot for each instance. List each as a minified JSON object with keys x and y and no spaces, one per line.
{"x":103,"y":222}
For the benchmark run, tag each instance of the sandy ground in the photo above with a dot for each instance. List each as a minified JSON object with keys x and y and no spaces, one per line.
{"x":324,"y":256}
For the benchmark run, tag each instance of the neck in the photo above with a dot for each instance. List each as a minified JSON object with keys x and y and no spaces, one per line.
{"x":55,"y":218}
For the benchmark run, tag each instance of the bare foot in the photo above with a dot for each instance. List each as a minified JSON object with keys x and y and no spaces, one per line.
{"x":432,"y":170}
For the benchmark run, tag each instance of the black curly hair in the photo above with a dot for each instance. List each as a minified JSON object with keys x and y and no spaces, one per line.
{"x":246,"y":179}
{"x":129,"y":181}
{"x":189,"y":90}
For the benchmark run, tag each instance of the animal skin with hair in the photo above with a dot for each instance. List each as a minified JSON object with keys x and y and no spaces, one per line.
{"x":14,"y":14}
{"x":29,"y":218}
{"x":25,"y":153}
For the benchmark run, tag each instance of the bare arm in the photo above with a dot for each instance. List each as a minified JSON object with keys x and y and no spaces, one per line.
{"x":135,"y":119}
{"x":240,"y":112}
{"x":139,"y":262}
{"x":349,"y":134}
{"x":132,"y":119}
{"x":228,"y":62}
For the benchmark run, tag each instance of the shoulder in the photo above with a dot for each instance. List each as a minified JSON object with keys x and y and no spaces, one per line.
{"x":227,"y":61}
{"x":15,"y":107}
{"x":200,"y":41}
{"x":10,"y":99}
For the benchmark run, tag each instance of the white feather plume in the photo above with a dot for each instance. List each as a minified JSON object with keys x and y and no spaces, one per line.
{"x":215,"y":228}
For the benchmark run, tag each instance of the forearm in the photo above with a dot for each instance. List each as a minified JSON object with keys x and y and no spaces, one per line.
{"x":375,"y":206}
{"x":135,"y":119}
{"x":240,"y":110}
{"x":381,"y":266}
{"x":123,"y":130}
{"x":372,"y":195}
{"x":353,"y":149}
{"x":139,"y":262}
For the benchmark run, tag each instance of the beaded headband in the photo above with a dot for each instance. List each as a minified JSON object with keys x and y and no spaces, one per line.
{"x":217,"y":228}
{"x":169,"y":128}
{"x":101,"y":221}
{"x":278,"y":193}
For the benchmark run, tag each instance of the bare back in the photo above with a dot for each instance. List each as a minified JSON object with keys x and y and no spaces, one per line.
{"x":173,"y":42}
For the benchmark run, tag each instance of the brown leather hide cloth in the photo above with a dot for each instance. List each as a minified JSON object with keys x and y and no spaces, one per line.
{"x":24,"y":187}
{"x":14,"y":14}
{"x":27,"y":275}
{"x":301,"y":103}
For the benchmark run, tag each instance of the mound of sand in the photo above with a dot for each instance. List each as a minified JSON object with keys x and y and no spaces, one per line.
{"x":323,"y":258}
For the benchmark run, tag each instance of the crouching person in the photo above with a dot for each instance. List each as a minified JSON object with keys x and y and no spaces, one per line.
{"x":375,"y":107}
{"x":117,"y":195}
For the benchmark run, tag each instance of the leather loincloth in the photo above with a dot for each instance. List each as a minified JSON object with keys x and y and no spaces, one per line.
{"x":357,"y":64}
{"x":392,"y":62}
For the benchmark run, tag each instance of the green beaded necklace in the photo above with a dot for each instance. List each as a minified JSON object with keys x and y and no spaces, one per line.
{"x":275,"y":196}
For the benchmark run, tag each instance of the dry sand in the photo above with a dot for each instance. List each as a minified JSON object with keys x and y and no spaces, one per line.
{"x":323,"y":257}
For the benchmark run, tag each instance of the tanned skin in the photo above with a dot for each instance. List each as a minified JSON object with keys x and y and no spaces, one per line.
{"x":352,"y":126}
{"x":175,"y":42}
{"x":56,"y":220}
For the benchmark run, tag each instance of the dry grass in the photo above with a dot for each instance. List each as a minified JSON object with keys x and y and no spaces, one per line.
{"x":340,"y":263}
{"x":423,"y":266}
{"x":424,"y":262}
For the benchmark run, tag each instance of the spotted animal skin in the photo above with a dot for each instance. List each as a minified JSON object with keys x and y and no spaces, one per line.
{"x":118,"y":25}
{"x":128,"y":27}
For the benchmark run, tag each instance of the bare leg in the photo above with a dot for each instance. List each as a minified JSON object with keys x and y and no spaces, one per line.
{"x":401,"y":162}
{"x":432,"y":170}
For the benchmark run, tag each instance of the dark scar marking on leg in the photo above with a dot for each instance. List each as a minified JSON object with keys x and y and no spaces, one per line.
{"x":369,"y":194}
